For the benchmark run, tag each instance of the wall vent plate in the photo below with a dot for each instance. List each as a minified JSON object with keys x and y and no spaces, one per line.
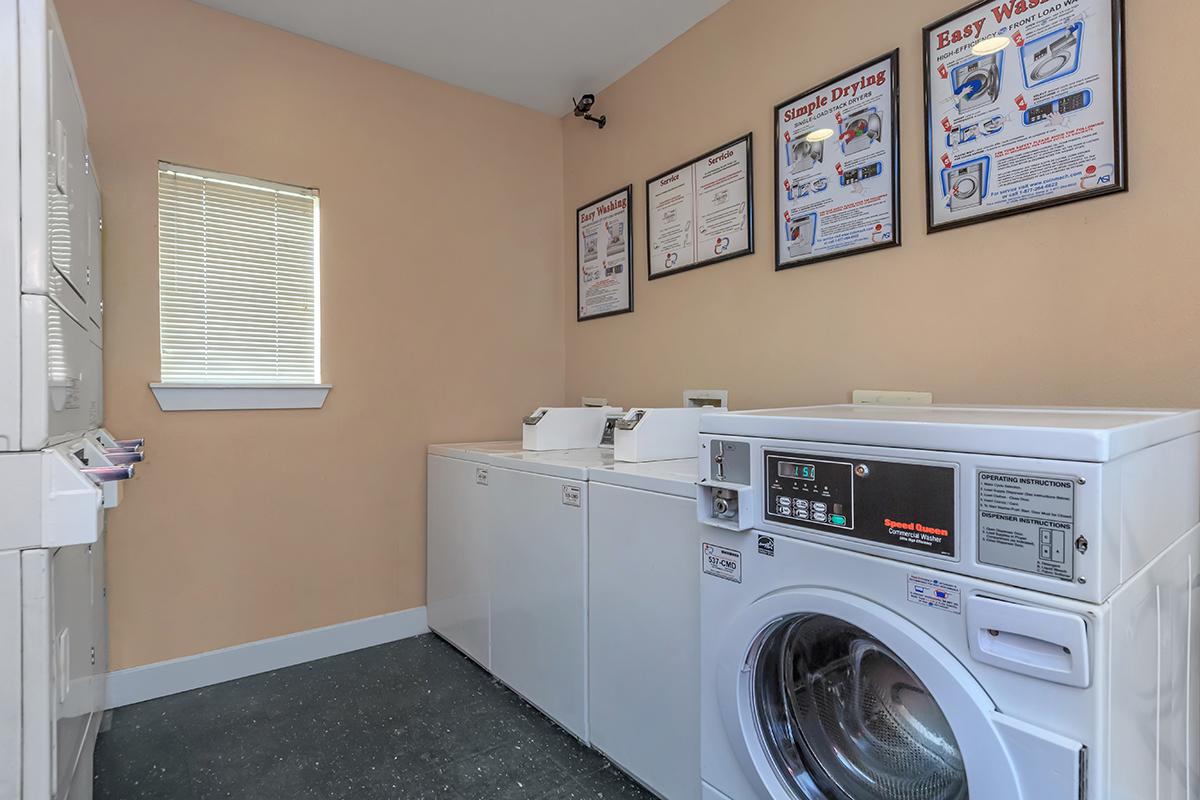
{"x":698,"y":398}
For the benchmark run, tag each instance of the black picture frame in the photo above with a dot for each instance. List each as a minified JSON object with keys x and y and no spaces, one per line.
{"x":748,"y":138}
{"x":893,"y":60}
{"x":627,"y":190}
{"x":1120,"y":120}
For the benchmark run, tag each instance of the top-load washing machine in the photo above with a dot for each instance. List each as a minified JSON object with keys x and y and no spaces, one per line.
{"x":936,"y":603}
{"x":644,"y":622}
{"x":537,"y":560}
{"x":457,"y":600}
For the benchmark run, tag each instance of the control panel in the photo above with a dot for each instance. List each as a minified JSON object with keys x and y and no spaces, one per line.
{"x":902,"y":504}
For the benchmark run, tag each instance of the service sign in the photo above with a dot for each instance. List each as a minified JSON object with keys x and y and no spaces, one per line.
{"x":837,"y":167}
{"x":604,"y":256}
{"x":1025,"y":107}
{"x":701,"y":212}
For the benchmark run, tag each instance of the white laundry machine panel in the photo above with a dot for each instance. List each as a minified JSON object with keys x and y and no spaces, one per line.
{"x":644,"y":623}
{"x":458,"y":525}
{"x":549,"y":428}
{"x":827,"y":671}
{"x":1066,"y":501}
{"x":538,"y":578}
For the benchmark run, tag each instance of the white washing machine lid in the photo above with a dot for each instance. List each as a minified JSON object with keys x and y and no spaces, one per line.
{"x":677,"y":477}
{"x":574,"y":464}
{"x":473,"y":451}
{"x":1067,"y":434}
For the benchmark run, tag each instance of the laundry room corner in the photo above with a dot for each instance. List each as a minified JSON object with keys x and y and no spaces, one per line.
{"x":265,"y":523}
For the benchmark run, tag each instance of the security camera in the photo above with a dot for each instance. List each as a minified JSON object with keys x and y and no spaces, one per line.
{"x":584,"y":105}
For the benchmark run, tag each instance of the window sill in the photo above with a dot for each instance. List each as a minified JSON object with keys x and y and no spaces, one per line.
{"x":238,"y":397}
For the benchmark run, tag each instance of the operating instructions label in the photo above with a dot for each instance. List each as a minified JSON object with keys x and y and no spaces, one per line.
{"x":1027,"y":523}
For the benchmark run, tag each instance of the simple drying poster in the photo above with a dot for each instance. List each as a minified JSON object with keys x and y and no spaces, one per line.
{"x":1025,"y":104}
{"x":701,"y":212}
{"x":837,"y":168}
{"x":604,"y":255}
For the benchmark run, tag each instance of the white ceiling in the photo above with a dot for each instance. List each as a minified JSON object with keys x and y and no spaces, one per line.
{"x":537,"y":53}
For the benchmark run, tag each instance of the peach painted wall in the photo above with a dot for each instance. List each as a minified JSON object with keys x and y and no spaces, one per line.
{"x":441,"y":275}
{"x":1090,"y":303}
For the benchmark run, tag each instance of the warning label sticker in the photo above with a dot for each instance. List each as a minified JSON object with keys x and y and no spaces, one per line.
{"x":1027,"y":523}
{"x":723,"y":562}
{"x":934,"y":593}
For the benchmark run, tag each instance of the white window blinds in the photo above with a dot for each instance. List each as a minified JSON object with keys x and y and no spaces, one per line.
{"x":239,"y":283}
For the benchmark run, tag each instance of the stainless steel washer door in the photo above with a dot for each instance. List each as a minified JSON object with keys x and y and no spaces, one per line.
{"x":843,"y":718}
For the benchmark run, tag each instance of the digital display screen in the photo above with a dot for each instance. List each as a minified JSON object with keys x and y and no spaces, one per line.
{"x":798,"y":471}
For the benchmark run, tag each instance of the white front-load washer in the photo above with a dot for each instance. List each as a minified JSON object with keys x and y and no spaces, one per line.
{"x":537,"y":577}
{"x":940,"y":603}
{"x":644,"y":622}
{"x":457,"y":544}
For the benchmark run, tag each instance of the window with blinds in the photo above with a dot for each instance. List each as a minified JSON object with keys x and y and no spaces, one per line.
{"x":239,"y":279}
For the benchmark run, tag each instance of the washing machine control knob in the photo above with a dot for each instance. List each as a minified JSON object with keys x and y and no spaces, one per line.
{"x":862,"y":470}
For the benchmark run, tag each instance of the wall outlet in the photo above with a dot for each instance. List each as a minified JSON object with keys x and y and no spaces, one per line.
{"x":594,"y":402}
{"x":715,"y":398}
{"x":886,"y":398}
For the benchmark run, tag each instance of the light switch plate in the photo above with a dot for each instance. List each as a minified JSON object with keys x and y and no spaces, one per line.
{"x":890,"y":398}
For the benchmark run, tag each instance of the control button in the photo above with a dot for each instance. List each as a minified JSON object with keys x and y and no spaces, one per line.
{"x":819,"y":517}
{"x":1045,"y":536}
{"x":800,"y":513}
{"x":820,"y":507}
{"x":837,"y":519}
{"x":801,"y":503}
{"x":1046,"y":551}
{"x":784,"y":501}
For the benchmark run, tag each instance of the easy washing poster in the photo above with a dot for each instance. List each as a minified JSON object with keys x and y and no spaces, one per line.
{"x":836,"y":176}
{"x":1023,"y":111}
{"x":604,"y":256}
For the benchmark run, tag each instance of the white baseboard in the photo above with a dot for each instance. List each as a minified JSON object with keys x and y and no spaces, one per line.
{"x":137,"y":684}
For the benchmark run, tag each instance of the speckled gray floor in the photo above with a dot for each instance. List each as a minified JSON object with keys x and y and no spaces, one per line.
{"x":412,"y":720}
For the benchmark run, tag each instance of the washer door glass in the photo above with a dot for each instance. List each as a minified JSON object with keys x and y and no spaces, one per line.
{"x":843,"y":718}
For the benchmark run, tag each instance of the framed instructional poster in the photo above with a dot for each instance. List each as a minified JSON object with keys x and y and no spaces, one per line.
{"x":701,"y":212}
{"x":837,"y":166}
{"x":1024,"y":106}
{"x":604,"y":256}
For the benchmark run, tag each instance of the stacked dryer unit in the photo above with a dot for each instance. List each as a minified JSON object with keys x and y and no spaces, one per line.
{"x":57,"y":466}
{"x":932,"y":603}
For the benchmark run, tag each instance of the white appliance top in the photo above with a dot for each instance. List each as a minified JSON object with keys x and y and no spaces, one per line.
{"x":472,"y":451}
{"x":557,"y":463}
{"x":1068,"y":434}
{"x":676,"y":477}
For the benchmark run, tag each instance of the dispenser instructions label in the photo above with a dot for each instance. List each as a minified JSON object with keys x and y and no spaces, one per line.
{"x":572,"y":496}
{"x":1027,"y":523}
{"x":723,"y":562}
{"x":934,"y":593}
